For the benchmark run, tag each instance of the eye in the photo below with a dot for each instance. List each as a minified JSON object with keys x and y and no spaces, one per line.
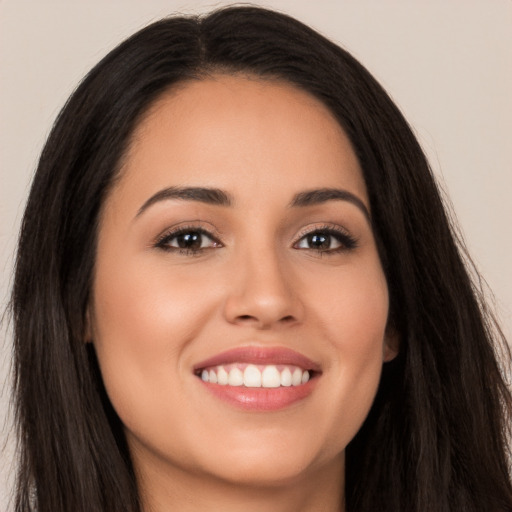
{"x":326,"y":240}
{"x":187,"y":240}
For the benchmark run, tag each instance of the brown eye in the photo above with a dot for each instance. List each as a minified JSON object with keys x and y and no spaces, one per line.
{"x":326,"y":240}
{"x":188,"y":240}
{"x":319,"y":241}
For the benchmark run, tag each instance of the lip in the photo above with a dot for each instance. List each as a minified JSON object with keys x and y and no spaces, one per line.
{"x":261,"y":355}
{"x":261,"y":399}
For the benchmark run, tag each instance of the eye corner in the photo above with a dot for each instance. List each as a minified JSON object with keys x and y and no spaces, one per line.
{"x":187,"y":240}
{"x":331,"y":239}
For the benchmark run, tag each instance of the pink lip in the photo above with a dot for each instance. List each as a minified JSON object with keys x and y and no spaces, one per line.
{"x":261,"y":399}
{"x":260,"y":355}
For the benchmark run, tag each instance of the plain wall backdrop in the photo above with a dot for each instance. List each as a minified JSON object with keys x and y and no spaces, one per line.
{"x":447,"y":64}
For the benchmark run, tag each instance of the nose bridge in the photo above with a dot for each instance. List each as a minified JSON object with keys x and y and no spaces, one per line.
{"x":262,"y":291}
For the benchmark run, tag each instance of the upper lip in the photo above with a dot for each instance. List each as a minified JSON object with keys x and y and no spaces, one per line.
{"x":260,"y":355}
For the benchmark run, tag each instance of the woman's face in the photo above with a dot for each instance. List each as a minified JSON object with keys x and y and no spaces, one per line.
{"x":237,"y":248}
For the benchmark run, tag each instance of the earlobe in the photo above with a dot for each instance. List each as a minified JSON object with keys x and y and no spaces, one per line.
{"x":391,"y":345}
{"x":87,"y":327}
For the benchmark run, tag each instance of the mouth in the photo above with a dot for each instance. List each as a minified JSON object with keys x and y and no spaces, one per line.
{"x":259,"y":378}
{"x":255,"y":376}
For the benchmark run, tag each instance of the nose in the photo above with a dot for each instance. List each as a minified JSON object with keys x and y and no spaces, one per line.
{"x":262,"y":293}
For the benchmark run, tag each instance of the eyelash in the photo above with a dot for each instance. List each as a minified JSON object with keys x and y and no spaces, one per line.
{"x":164,"y":240}
{"x":346,"y":241}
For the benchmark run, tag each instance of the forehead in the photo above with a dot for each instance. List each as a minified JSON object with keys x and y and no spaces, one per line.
{"x":235,"y":132}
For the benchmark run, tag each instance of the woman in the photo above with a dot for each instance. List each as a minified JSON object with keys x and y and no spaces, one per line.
{"x":237,"y":286}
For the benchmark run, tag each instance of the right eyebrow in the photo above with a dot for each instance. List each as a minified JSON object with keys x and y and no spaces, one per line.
{"x":206,"y":195}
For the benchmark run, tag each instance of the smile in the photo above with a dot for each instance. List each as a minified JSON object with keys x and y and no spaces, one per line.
{"x":255,"y":376}
{"x":259,"y":378}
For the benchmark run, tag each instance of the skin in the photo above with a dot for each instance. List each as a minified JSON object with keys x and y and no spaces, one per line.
{"x":155,"y":313}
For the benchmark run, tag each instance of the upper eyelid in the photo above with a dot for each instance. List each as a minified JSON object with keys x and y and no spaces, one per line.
{"x":322,"y":227}
{"x":164,"y":241}
{"x":201,"y":226}
{"x":345,"y":237}
{"x":209,"y":230}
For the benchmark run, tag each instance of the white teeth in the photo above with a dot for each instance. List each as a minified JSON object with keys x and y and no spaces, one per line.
{"x":297,"y":377}
{"x":286,"y":377}
{"x":236,"y":377}
{"x":270,"y":377}
{"x":222,"y":376}
{"x":252,"y":377}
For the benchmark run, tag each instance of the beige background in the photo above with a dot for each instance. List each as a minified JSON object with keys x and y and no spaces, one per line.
{"x":448,"y":65}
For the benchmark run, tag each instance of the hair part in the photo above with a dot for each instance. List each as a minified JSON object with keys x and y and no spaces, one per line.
{"x":436,"y":437}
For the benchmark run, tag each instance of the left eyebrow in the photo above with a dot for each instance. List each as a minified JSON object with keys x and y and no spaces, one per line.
{"x":322,"y":195}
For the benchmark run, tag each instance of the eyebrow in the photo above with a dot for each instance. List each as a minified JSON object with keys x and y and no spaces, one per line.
{"x":322,"y":195}
{"x":218,"y":197}
{"x":206,"y":195}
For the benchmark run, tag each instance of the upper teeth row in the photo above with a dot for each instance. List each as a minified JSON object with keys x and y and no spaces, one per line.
{"x":254,"y":377}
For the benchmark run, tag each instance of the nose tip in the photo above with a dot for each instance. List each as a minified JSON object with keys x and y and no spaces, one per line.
{"x":262,"y":296}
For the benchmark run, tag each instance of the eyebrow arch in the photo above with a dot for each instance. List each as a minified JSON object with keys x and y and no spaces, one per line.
{"x":206,"y":195}
{"x":218,"y":197}
{"x":322,"y":195}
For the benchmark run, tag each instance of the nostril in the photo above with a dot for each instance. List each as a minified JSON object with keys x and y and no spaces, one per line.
{"x":288,"y":319}
{"x":246,"y":317}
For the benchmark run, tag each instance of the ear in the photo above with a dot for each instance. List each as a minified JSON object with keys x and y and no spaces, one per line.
{"x":88,"y":326}
{"x":391,"y":345}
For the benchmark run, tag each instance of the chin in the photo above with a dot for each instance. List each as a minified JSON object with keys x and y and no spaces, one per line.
{"x":267,"y":473}
{"x":272,"y":464}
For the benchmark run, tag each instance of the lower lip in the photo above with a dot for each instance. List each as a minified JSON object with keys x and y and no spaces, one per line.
{"x":261,"y":399}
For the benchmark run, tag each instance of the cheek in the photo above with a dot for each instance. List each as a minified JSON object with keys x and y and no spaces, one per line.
{"x":359,"y":336}
{"x":353,"y":322}
{"x":143,"y":320}
{"x":143,"y":304}
{"x":352,"y":306}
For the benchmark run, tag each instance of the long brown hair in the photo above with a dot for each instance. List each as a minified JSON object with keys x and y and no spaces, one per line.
{"x":436,"y":437}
